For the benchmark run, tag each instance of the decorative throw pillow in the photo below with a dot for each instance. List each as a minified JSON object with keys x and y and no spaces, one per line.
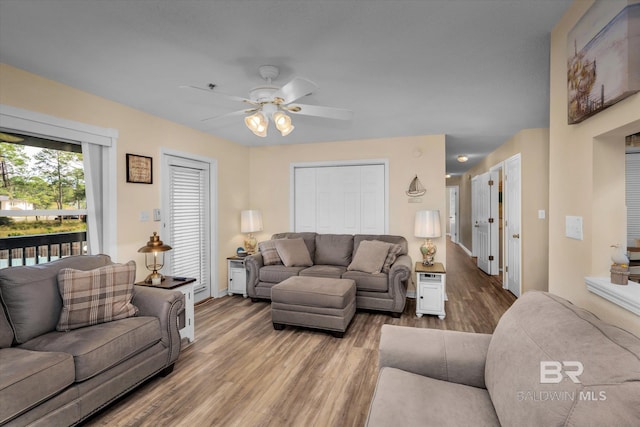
{"x":269,"y":252}
{"x":370,"y":256}
{"x":96,"y":296}
{"x":394,"y":253}
{"x":293,"y":252}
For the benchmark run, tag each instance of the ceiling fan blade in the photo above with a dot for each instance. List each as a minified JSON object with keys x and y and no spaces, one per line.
{"x":229,"y":115}
{"x":315,"y":110}
{"x":295,"y":89}
{"x":216,"y":93}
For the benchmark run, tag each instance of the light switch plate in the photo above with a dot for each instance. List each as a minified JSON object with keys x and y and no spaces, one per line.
{"x":144,"y":216}
{"x":541,"y":214}
{"x":573,"y":227}
{"x":156,"y":214}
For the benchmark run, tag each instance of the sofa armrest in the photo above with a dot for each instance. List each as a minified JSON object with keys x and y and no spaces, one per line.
{"x":399,"y":276}
{"x":253,"y":264}
{"x":452,"y":356}
{"x":166,"y":305}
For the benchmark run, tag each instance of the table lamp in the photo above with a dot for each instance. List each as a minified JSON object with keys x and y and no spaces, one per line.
{"x":250,"y":221}
{"x":427,"y":226}
{"x":154,"y":258}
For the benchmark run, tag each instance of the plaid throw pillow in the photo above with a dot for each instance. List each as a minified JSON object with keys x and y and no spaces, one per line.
{"x":392,"y":255}
{"x":96,"y":296}
{"x":269,"y":252}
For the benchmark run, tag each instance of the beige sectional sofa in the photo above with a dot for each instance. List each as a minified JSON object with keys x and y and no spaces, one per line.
{"x":331,"y":255}
{"x":548,"y":363}
{"x":57,"y":378}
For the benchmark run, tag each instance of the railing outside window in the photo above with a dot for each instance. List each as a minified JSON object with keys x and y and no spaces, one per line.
{"x":41,"y":248}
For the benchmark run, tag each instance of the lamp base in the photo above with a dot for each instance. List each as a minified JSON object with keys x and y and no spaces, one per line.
{"x":250,"y":244}
{"x":154,"y":278}
{"x":428,"y":250}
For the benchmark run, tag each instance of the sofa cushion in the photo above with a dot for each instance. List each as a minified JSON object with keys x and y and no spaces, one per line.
{"x":269,"y":252}
{"x":389,"y":238}
{"x":31,"y":297}
{"x":30,"y":377}
{"x":6,"y":333}
{"x":394,"y":252}
{"x":277,"y":273}
{"x":368,"y":282}
{"x":334,"y":249}
{"x":541,"y":327}
{"x":293,"y":252}
{"x":96,"y":296}
{"x":370,"y":256}
{"x":99,"y":347}
{"x":405,"y":399}
{"x":329,"y":271}
{"x":308,"y":237}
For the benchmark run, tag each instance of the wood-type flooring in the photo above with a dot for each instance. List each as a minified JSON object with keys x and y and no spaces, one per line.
{"x":242,"y":372}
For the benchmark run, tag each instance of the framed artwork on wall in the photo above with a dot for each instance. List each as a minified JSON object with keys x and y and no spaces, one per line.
{"x":139,"y":169}
{"x":603,"y":58}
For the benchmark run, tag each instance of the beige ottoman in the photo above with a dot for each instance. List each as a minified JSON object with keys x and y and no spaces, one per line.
{"x":314,"y":302}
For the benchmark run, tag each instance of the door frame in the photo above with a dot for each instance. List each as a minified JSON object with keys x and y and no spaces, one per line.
{"x":456,"y":188}
{"x":213,"y":208}
{"x":494,"y":228}
{"x":506,"y":207}
{"x":335,"y":163}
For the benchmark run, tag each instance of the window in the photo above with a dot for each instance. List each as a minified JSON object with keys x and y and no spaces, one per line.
{"x":92,"y":147}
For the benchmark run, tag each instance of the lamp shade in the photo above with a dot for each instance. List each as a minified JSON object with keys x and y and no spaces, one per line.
{"x":250,"y":221}
{"x":427,"y":224}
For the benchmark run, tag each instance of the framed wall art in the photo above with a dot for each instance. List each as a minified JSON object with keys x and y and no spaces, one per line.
{"x":603,"y":57}
{"x":139,"y":169}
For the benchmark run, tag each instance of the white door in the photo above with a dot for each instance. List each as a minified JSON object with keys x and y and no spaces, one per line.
{"x":494,"y":221}
{"x":483,"y":206}
{"x":453,"y":213}
{"x":187,"y":221}
{"x":512,"y":209}
{"x":349,"y":199}
{"x":475,"y":196}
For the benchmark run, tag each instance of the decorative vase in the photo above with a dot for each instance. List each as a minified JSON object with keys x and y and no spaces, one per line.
{"x":428,"y":250}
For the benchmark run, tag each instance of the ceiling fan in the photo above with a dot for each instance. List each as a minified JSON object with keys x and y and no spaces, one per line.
{"x":272,"y":102}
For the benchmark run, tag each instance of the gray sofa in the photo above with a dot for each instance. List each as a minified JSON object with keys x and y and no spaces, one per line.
{"x":548,"y":363}
{"x":331,"y":255}
{"x":57,"y":378}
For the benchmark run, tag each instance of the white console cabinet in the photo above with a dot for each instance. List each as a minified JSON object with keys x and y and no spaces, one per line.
{"x":236,"y":276}
{"x":431,"y":290}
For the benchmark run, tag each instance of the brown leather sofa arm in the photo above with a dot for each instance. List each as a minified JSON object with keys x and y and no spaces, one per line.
{"x":253,"y":264}
{"x":452,"y":356}
{"x":166,"y":305}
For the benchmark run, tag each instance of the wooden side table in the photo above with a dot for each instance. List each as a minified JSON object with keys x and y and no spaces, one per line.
{"x":431,"y":289}
{"x":184,"y":285}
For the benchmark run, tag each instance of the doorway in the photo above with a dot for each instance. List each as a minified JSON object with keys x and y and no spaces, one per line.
{"x":453,"y":229}
{"x":188,"y":203}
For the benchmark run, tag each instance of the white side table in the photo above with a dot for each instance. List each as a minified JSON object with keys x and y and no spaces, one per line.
{"x":431,"y":290}
{"x":236,"y":276}
{"x":184,"y":285}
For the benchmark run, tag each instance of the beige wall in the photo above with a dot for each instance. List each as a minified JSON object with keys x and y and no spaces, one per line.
{"x":533,"y":146}
{"x":587,"y":179}
{"x":144,"y":134}
{"x":408,"y":156}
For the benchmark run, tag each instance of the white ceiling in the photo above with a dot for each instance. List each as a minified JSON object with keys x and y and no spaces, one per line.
{"x":475,"y":70}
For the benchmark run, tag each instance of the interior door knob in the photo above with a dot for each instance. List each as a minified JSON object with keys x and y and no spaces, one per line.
{"x":516,"y":236}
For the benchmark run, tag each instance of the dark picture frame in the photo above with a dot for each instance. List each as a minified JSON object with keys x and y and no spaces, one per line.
{"x":139,"y":169}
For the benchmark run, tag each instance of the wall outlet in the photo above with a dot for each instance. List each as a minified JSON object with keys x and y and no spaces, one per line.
{"x":573,"y":227}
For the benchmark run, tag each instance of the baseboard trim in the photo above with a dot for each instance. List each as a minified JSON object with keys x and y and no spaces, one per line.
{"x":465,"y":249}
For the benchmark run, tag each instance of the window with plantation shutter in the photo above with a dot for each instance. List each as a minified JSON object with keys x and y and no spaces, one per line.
{"x":188,"y":222}
{"x":633,"y":197}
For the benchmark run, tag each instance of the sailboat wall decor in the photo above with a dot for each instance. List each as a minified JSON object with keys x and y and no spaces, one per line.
{"x":416,"y":189}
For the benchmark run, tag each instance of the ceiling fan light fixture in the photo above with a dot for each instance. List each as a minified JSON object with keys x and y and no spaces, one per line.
{"x":257,"y":123}
{"x":463,"y":158}
{"x":283,"y":123}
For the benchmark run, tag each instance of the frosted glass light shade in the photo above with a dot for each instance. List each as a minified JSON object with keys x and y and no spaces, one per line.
{"x":257,"y":123}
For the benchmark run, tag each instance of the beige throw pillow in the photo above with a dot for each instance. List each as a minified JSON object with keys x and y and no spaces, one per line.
{"x":293,"y":252}
{"x":370,"y":256}
{"x":96,"y":296}
{"x":269,"y":252}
